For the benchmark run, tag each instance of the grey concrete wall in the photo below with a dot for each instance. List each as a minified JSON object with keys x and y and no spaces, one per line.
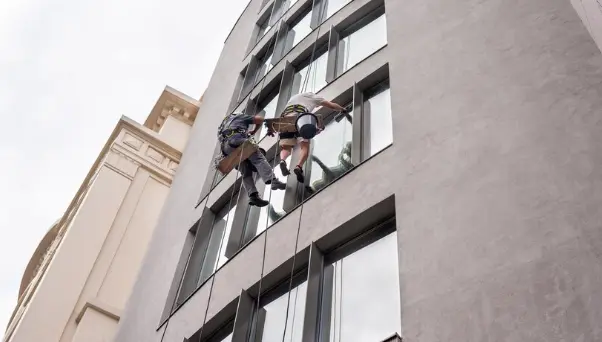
{"x":495,"y":169}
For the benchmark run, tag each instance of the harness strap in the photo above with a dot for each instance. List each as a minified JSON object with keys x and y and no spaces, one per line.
{"x":299,"y":109}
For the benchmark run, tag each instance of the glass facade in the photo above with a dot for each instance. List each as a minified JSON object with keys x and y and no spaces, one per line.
{"x":265,"y":65}
{"x":272,"y":320}
{"x":215,"y":253}
{"x":330,"y":156}
{"x":362,"y":43}
{"x":379,"y":130}
{"x":271,"y":213}
{"x":364,"y":291}
{"x":300,"y":30}
{"x":268,"y":112}
{"x":315,"y":80}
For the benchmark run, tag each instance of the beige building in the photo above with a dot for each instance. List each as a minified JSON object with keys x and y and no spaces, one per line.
{"x":80,"y":276}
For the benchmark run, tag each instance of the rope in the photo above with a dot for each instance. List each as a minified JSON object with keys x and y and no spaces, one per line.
{"x":290,"y":285}
{"x":217,"y":261}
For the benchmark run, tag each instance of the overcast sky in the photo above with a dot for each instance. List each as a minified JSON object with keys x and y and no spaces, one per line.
{"x":68,"y":70}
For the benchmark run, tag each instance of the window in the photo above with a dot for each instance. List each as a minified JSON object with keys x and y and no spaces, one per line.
{"x":330,"y":157}
{"x":268,"y":112}
{"x":215,"y":256}
{"x":316,"y":79}
{"x":208,"y":250}
{"x":271,"y":321}
{"x":264,"y":64}
{"x":361,"y":294}
{"x":378,"y":123}
{"x":300,"y":29}
{"x":333,"y":6}
{"x":259,"y":219}
{"x":263,"y":29}
{"x":359,"y":44}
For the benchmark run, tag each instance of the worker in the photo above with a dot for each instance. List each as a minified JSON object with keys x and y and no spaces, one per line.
{"x":298,"y":104}
{"x":232,"y":133}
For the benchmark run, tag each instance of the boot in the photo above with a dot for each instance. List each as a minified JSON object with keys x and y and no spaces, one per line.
{"x":277,"y":184}
{"x":255,"y":200}
{"x":284,"y":169}
{"x":299,"y":173}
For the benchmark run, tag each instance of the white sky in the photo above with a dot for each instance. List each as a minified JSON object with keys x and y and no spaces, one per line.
{"x":68,"y":70}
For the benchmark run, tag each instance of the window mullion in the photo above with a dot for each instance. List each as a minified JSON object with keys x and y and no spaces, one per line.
{"x":313,"y":296}
{"x":357,"y":140}
{"x":243,"y":320}
{"x":333,"y":44}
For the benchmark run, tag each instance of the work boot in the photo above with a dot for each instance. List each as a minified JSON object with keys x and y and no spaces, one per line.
{"x":299,"y":173}
{"x":284,"y":169}
{"x":255,"y":200}
{"x":277,"y":184}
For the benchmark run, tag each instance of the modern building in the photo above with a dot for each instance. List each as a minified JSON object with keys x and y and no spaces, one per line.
{"x":80,"y":276}
{"x":459,"y":201}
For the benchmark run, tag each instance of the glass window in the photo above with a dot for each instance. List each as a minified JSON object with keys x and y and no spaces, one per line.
{"x":268,"y":112}
{"x":362,"y":43}
{"x":265,"y":65}
{"x":330,"y":157}
{"x":332,"y":6}
{"x":292,"y":3}
{"x":263,"y":29}
{"x":273,"y":211}
{"x":272,"y":317}
{"x":365,"y":294}
{"x":316,"y":79}
{"x":379,"y":131}
{"x":216,"y":249}
{"x":300,"y":30}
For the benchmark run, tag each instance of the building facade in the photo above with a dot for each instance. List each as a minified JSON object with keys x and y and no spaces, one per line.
{"x":80,"y":276}
{"x":458,"y":201}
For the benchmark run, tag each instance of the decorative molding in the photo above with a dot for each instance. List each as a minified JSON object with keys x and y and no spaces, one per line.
{"x":132,"y":141}
{"x":155,"y":155}
{"x":100,"y":307}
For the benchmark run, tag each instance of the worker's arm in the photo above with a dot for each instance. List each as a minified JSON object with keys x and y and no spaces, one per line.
{"x":332,"y":105}
{"x":257,"y":121}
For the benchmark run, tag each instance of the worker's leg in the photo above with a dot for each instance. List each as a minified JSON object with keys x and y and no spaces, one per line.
{"x":264,"y":169}
{"x":249,"y":184}
{"x":303,"y":155}
{"x":287,"y":142}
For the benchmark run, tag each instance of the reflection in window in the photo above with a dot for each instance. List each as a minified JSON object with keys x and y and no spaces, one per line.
{"x":379,"y":130}
{"x":300,"y":30}
{"x":353,"y":316}
{"x":362,"y":43}
{"x":332,"y":6}
{"x":330,"y":157}
{"x":273,"y":211}
{"x":215,"y":255}
{"x":317,"y":76}
{"x":271,"y":321}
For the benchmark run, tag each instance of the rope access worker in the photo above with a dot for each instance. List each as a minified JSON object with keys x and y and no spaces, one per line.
{"x":232,"y":133}
{"x":298,"y":104}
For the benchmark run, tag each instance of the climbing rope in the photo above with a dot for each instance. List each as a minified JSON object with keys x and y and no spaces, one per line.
{"x":190,"y":254}
{"x":255,"y":105}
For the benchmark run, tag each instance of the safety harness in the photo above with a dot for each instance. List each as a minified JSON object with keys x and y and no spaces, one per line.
{"x":224,"y":133}
{"x":292,"y":109}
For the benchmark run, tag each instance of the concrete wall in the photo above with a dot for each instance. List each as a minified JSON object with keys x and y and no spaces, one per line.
{"x":495,"y":171}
